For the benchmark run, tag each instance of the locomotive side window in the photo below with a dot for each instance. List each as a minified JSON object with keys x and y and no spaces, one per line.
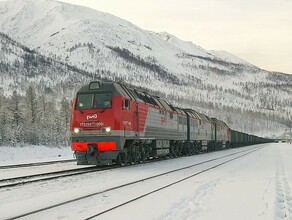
{"x":102,"y":100}
{"x":126,"y":104}
{"x":84,"y":101}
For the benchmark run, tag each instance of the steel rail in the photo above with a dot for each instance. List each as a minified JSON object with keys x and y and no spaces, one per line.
{"x":35,"y":164}
{"x":16,"y":181}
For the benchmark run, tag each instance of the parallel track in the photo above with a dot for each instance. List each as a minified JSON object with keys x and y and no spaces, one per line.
{"x":142,"y":180}
{"x":35,"y":164}
{"x":166,"y":186}
{"x":16,"y":181}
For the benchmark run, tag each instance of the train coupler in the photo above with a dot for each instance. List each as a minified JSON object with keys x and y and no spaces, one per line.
{"x":92,"y":154}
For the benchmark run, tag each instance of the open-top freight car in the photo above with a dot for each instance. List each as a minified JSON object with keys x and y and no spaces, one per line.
{"x":239,"y":139}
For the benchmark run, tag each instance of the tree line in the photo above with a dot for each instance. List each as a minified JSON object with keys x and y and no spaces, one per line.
{"x":34,"y":119}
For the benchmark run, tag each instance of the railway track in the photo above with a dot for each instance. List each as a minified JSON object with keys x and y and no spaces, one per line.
{"x":35,"y":164}
{"x":234,"y":156}
{"x":167,"y":185}
{"x":21,"y":180}
{"x":16,"y":181}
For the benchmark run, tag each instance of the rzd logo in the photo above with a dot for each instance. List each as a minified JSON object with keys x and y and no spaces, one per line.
{"x":163,"y":120}
{"x":90,"y":117}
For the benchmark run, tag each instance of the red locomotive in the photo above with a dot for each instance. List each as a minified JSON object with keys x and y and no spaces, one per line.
{"x":113,"y":122}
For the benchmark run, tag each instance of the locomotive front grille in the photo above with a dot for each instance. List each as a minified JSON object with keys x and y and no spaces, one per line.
{"x":95,"y":133}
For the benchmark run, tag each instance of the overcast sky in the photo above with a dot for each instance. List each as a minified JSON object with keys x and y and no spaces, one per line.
{"x":259,"y":31}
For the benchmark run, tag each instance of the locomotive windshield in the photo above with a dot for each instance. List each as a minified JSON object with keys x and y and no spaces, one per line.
{"x":102,"y":100}
{"x":96,"y":100}
{"x":84,"y":101}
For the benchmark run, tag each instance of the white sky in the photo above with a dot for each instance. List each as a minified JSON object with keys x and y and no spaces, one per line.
{"x":259,"y":31}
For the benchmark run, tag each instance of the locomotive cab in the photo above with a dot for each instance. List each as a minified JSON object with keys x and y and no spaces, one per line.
{"x":95,"y":125}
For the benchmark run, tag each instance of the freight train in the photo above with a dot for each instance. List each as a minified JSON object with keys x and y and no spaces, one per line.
{"x":112,"y":122}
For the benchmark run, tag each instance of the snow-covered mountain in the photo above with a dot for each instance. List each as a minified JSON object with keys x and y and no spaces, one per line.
{"x":228,"y":57}
{"x":21,"y":67}
{"x":104,"y":46}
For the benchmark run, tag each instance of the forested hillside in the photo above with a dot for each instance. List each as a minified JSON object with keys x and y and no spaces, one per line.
{"x":51,"y":49}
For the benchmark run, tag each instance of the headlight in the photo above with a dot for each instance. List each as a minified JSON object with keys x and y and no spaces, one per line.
{"x":106,"y":129}
{"x":77,"y":130}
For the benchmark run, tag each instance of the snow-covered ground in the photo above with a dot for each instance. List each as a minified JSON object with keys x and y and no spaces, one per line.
{"x":33,"y":153}
{"x":255,"y":186}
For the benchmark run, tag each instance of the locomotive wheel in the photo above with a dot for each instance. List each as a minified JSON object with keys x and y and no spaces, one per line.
{"x":132,"y":160}
{"x":171,"y":151}
{"x":134,"y":154}
{"x":122,"y":159}
{"x":142,"y":154}
{"x":175,"y":151}
{"x":188,"y":151}
{"x":178,"y":152}
{"x":138,"y":153}
{"x":147,"y":152}
{"x":193,"y":151}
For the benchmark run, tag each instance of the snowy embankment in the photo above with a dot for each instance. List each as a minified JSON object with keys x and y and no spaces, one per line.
{"x":255,"y":186}
{"x":29,"y":154}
